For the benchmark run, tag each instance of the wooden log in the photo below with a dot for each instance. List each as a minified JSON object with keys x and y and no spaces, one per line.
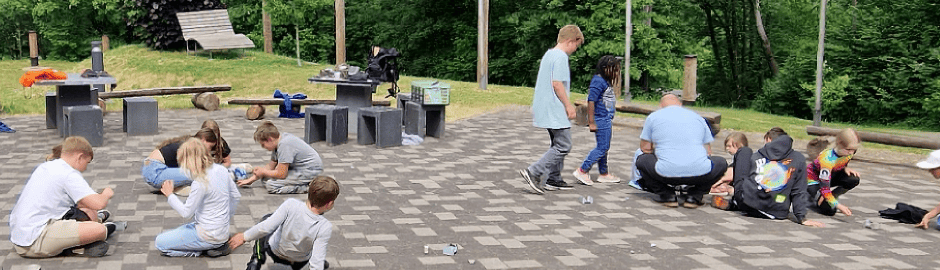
{"x":689,"y":79}
{"x":255,"y":112}
{"x":104,"y":107}
{"x":275,"y":101}
{"x":713,"y":117}
{"x":815,"y":146}
{"x":206,"y":101}
{"x":889,"y":139}
{"x":165,"y":91}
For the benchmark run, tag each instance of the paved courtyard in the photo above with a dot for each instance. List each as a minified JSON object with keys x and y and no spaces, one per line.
{"x":464,"y":189}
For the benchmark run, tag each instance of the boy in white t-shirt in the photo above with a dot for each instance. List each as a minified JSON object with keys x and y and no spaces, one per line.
{"x":58,"y":210}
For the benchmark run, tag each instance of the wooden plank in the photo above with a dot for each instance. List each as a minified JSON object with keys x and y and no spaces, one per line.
{"x":714,"y":117}
{"x":889,"y":139}
{"x":275,"y":101}
{"x":164,"y":91}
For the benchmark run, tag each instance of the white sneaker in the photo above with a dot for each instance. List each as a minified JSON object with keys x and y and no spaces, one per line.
{"x":608,"y":178}
{"x":583,"y":177}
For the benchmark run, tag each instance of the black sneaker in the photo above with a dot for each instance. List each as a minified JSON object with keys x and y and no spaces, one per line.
{"x":254,"y":264}
{"x":103,"y":215}
{"x":96,"y":249}
{"x":219,"y":251}
{"x":560,"y":185}
{"x":528,"y":177}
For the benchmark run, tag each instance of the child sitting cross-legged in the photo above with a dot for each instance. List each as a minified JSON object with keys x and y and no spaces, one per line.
{"x":293,"y":162}
{"x":296,"y":234}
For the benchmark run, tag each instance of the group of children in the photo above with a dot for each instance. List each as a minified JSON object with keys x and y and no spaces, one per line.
{"x":58,"y":212}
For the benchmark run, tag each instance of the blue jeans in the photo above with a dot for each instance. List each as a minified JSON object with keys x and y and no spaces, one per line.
{"x":182,"y":242}
{"x":599,"y":154}
{"x":155,"y":172}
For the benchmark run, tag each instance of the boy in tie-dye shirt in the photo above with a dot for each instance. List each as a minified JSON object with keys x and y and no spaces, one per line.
{"x":828,"y":177}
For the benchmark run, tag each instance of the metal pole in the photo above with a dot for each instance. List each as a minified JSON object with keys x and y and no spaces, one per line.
{"x":817,"y":113}
{"x":627,"y":97}
{"x":482,"y":43}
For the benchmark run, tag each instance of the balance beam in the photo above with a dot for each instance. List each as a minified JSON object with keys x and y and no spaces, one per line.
{"x":582,"y":110}
{"x":277,"y":101}
{"x":889,"y":139}
{"x":164,"y":91}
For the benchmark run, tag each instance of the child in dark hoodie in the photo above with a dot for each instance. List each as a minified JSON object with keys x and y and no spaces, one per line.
{"x":768,"y":181}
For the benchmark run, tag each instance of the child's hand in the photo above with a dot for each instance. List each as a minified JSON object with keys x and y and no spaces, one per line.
{"x":852,"y":172}
{"x":924,"y":224}
{"x":237,"y":240}
{"x":592,"y":127}
{"x":813,"y":223}
{"x":167,"y":188}
{"x":844,"y":209}
{"x":571,"y":113}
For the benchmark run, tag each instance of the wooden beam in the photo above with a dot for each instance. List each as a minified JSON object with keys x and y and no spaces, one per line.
{"x":889,"y":139}
{"x":483,"y":25}
{"x":276,"y":101}
{"x":165,"y":91}
{"x":266,"y":30}
{"x":340,"y":6}
{"x":33,"y":49}
{"x":714,"y":117}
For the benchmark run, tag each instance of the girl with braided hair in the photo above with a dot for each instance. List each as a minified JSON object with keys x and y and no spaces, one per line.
{"x":602,"y":99}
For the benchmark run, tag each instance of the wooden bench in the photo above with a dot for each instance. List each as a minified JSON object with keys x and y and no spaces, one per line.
{"x":256,"y":111}
{"x":212,"y":30}
{"x":202,"y":99}
{"x":582,"y":109}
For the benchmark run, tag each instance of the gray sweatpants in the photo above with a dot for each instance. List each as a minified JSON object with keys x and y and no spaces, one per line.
{"x":553,"y":161}
{"x":293,"y":184}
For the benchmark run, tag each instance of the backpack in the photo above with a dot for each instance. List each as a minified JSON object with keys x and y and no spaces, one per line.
{"x":383,"y":66}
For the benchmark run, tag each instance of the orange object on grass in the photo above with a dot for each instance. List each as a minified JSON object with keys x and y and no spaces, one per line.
{"x":46,"y":74}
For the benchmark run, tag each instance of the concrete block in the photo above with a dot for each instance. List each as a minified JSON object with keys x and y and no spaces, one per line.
{"x":84,"y":121}
{"x":424,"y":120}
{"x":50,"y":110}
{"x":326,"y":123}
{"x":379,"y":125}
{"x":140,"y":116}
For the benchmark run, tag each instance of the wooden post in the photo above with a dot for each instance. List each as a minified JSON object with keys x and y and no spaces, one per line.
{"x":340,"y":7}
{"x":483,"y":25}
{"x":105,"y":43}
{"x":689,"y":79}
{"x":266,"y":22}
{"x":33,"y":49}
{"x":817,"y":112}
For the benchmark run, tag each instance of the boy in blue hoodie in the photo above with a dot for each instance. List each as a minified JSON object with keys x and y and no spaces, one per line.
{"x":769,"y":181}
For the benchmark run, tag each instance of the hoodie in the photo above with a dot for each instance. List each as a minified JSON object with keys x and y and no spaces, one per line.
{"x":772,"y":179}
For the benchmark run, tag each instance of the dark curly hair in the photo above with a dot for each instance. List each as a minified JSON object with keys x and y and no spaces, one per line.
{"x":609,"y":68}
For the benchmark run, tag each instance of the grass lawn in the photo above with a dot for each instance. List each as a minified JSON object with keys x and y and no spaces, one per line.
{"x":256,"y":75}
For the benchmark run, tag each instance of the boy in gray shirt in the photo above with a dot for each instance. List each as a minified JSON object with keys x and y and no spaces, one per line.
{"x":296,"y":234}
{"x":293,"y":162}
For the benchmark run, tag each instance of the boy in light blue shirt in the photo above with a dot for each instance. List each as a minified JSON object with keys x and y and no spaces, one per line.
{"x":552,"y":110}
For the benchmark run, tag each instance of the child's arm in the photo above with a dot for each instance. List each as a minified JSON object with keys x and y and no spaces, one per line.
{"x":263,"y":228}
{"x":924,"y":223}
{"x":590,"y":116}
{"x":563,"y":97}
{"x":227,"y":161}
{"x":318,"y":254}
{"x":257,"y":173}
{"x":278,"y":172}
{"x":188,"y":209}
{"x":96,"y":201}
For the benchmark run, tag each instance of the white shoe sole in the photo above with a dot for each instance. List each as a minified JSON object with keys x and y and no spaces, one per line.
{"x":583,"y":178}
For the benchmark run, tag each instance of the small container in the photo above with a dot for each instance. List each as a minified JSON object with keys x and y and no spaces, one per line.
{"x":868,"y":224}
{"x":426,"y":249}
{"x":587,"y":200}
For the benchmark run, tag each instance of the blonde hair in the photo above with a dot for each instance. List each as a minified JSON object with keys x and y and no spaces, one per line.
{"x":204,"y":134}
{"x":570,"y":32}
{"x":738,"y":138}
{"x":266,"y":131}
{"x":846,"y":136}
{"x":194,"y":160}
{"x":71,"y":145}
{"x":217,"y":149}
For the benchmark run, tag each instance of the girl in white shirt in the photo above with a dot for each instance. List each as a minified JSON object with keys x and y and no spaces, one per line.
{"x":211,"y":203}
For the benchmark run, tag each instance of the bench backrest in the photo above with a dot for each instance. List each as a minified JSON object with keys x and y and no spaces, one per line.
{"x":204,"y":23}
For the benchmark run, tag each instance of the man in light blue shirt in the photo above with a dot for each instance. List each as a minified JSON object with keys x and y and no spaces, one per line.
{"x":676,"y":151}
{"x":552,"y":110}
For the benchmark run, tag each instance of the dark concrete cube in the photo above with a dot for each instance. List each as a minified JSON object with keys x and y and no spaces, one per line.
{"x":84,"y":121}
{"x":50,"y":111}
{"x":326,"y":123}
{"x":140,"y":116}
{"x":424,"y":120}
{"x":403,"y":98}
{"x":379,"y":125}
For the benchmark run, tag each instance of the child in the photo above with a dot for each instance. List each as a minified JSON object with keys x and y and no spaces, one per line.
{"x":296,"y":233}
{"x":828,"y":176}
{"x":222,"y":153}
{"x":601,"y":97}
{"x":931,"y":164}
{"x":57,"y":210}
{"x":162,"y":164}
{"x":552,"y":110}
{"x":733,"y":142}
{"x":767,"y":183}
{"x":211,"y":204}
{"x":293,"y":162}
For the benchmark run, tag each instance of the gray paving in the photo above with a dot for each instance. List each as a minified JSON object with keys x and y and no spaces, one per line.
{"x":464,"y":189}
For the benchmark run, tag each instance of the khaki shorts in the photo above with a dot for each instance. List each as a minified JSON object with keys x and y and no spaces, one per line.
{"x":56,"y":237}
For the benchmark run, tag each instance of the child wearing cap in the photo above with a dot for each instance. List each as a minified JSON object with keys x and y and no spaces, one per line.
{"x":932,"y":165}
{"x":828,"y":176}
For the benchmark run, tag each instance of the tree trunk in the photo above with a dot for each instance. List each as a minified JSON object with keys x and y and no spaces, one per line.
{"x":255,"y":112}
{"x":710,"y":22}
{"x":763,"y":37}
{"x":206,"y":101}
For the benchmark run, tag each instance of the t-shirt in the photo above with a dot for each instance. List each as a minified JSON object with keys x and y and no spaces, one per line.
{"x":226,"y":151}
{"x":604,"y":102}
{"x":547,"y":109}
{"x":210,"y":206}
{"x":297,"y":234}
{"x":52,"y":189}
{"x":678,"y":135}
{"x":169,"y":154}
{"x":303,"y":159}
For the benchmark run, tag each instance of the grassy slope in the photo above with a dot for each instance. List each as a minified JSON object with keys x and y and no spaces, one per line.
{"x":256,"y":75}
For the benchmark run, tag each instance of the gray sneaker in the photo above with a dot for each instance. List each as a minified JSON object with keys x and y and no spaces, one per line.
{"x":96,"y":249}
{"x":528,"y":177}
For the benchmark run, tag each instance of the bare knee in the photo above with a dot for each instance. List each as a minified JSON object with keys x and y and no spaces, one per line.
{"x":90,"y":232}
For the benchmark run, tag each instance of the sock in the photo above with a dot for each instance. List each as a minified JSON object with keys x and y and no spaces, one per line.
{"x":111,"y":228}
